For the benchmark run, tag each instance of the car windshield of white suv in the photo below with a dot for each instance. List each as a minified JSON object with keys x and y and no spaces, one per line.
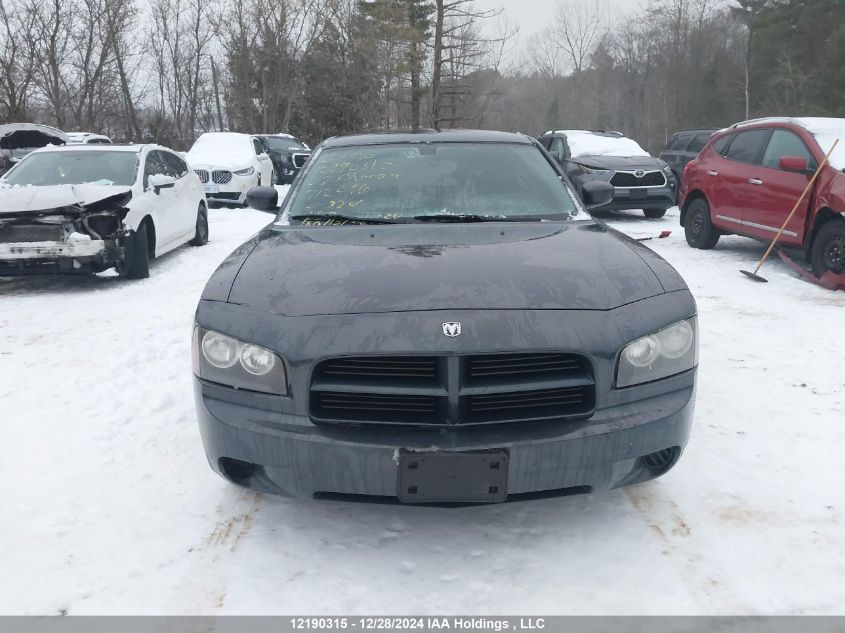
{"x":75,"y":168}
{"x":432,"y":182}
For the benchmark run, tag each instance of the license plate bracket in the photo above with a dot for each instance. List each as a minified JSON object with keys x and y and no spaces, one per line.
{"x":212,"y":188}
{"x":639,"y":194}
{"x":453,"y":477}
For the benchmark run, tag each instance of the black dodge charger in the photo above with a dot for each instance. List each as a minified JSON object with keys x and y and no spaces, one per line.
{"x":434,"y":317}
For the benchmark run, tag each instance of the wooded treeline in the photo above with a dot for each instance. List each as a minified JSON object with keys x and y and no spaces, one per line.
{"x":168,"y":70}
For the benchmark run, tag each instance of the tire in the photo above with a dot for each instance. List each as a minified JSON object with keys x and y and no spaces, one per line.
{"x":654,"y":214}
{"x":698,"y":227}
{"x":201,"y":230}
{"x":828,"y":251}
{"x":137,"y":264}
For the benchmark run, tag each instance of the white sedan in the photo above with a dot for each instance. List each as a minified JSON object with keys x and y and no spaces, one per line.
{"x":229,"y":164}
{"x":92,"y":207}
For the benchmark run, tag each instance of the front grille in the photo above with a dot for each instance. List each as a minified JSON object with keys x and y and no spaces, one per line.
{"x":203,"y":174}
{"x":221,"y":177}
{"x":224,"y":195}
{"x":452,"y":390}
{"x":300,"y":159}
{"x":630,"y":179}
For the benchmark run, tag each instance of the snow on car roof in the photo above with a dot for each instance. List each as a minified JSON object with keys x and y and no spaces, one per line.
{"x":226,"y":148}
{"x":826,"y":131}
{"x":97,"y":147}
{"x":585,"y":143}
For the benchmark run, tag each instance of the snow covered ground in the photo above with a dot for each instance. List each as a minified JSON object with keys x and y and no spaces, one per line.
{"x":108,"y":505}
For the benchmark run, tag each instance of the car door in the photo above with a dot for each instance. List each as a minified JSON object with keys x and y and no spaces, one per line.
{"x":266,"y":165}
{"x":164,"y":205}
{"x":730,"y":179}
{"x":776,"y":191}
{"x":188,"y":192}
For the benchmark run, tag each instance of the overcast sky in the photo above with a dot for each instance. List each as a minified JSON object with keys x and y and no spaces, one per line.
{"x":532,"y":15}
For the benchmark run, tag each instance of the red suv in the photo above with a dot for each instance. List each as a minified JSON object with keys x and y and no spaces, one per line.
{"x":747,"y":179}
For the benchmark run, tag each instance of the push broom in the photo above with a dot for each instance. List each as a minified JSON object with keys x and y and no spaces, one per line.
{"x":809,"y":186}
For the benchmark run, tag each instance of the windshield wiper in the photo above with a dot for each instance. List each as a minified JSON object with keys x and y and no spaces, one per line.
{"x":337,"y":220}
{"x":474,"y":217}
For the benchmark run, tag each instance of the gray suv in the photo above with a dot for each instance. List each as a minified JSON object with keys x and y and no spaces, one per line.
{"x":683,"y":147}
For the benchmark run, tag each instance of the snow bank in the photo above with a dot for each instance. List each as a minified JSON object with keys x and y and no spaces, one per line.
{"x":582,"y":143}
{"x":222,"y":148}
{"x":826,"y":131}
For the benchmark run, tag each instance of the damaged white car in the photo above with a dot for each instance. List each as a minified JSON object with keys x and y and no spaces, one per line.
{"x":88,"y":208}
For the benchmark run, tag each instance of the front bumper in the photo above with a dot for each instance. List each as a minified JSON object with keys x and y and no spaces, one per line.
{"x":298,"y":458}
{"x":633,"y":198}
{"x":54,"y":256}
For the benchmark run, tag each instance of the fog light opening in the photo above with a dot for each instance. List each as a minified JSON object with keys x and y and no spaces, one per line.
{"x":236,"y":470}
{"x":661,"y":461}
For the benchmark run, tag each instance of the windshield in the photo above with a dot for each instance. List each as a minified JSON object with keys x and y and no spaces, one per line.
{"x":75,"y":168}
{"x":282,"y":144}
{"x":405,"y":182}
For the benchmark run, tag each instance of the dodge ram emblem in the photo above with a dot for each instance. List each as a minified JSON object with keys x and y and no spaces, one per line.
{"x":452,"y":329}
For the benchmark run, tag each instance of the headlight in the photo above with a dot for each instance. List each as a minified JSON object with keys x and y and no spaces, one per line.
{"x":249,"y":171}
{"x":667,"y":169}
{"x":228,"y":361}
{"x":599,"y":173}
{"x":670,"y":351}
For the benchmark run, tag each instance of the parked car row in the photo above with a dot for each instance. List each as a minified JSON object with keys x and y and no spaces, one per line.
{"x":78,"y":203}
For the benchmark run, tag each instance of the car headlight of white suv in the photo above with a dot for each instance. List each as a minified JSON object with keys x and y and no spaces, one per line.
{"x":672,"y":350}
{"x":249,"y":171}
{"x":222,"y":359}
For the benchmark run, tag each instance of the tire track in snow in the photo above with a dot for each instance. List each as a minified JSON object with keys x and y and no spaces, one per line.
{"x":666,"y":519}
{"x":204,"y":588}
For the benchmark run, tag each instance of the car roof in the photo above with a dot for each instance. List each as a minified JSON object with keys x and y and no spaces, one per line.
{"x":427,"y":136}
{"x":701,"y":130}
{"x":104,"y":147}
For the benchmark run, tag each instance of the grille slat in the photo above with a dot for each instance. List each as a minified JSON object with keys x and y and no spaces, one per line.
{"x":203,"y":175}
{"x":490,"y":389}
{"x":381,"y":367}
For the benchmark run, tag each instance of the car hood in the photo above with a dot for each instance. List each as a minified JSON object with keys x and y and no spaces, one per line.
{"x":16,"y":200}
{"x":345,"y":270}
{"x":619,"y":162}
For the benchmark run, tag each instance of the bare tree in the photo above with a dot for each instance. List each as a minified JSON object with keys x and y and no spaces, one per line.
{"x":579,"y":27}
{"x":17,"y":62}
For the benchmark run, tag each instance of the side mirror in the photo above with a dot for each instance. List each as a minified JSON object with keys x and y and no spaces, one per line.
{"x":161,"y":181}
{"x":596,"y":193}
{"x":263,"y":198}
{"x":793,"y":163}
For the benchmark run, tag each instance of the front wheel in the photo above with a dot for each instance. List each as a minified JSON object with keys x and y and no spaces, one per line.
{"x":828,"y":251}
{"x":654,"y":214}
{"x":698,"y":227}
{"x":201,"y":232}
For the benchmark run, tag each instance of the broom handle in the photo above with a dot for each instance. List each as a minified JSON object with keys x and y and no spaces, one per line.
{"x":797,"y":204}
